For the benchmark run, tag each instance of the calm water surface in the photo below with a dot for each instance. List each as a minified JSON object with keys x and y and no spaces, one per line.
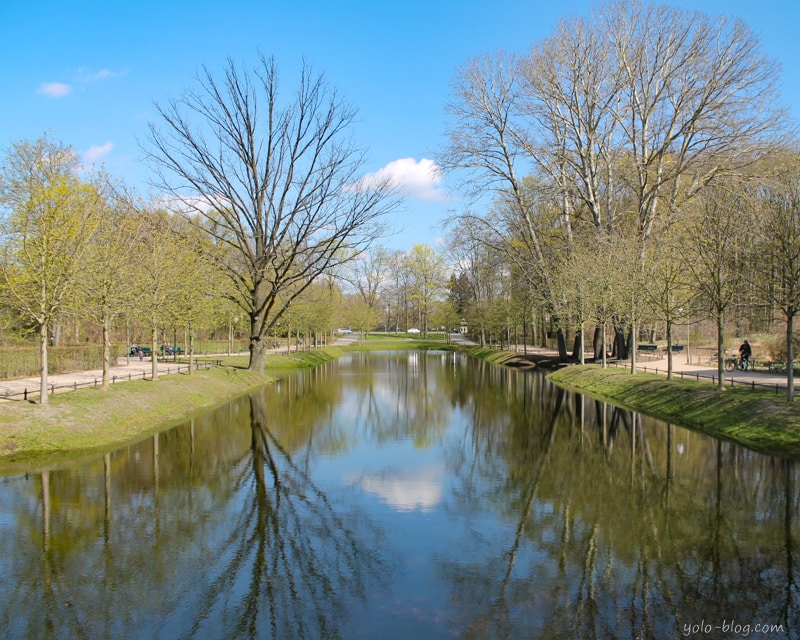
{"x":406,"y":495}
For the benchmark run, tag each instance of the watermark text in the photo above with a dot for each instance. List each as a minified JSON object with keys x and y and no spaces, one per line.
{"x":733,"y":627}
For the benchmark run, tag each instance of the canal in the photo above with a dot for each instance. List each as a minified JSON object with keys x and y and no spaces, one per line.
{"x":419,"y":495}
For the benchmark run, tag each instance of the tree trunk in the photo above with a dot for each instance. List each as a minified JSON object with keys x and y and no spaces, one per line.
{"x":188,"y":342}
{"x":604,"y":348}
{"x":563,"y":356}
{"x":577,"y":347}
{"x":597,"y":343}
{"x":669,"y":350}
{"x":720,"y":354}
{"x":544,"y":333}
{"x":620,"y":349}
{"x":106,"y":352}
{"x":789,"y":357}
{"x":258,"y":353}
{"x":631,"y":346}
{"x":44,"y":400}
{"x":153,"y":352}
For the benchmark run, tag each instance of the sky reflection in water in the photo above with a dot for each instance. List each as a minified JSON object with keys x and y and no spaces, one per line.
{"x":404,"y":495}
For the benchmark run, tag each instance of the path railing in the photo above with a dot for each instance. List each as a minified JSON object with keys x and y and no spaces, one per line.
{"x":74,"y":386}
{"x":696,"y":375}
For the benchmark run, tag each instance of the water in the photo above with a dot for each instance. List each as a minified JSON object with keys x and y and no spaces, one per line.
{"x":406,"y":495}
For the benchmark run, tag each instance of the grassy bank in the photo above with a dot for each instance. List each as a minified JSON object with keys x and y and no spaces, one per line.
{"x":91,"y":420}
{"x":756,"y":419}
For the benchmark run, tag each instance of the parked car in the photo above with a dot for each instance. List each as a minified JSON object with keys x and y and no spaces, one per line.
{"x":343,"y":331}
{"x":413,"y":330}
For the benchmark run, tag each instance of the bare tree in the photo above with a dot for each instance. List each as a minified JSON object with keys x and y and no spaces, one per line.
{"x":639,"y":106}
{"x":622,"y":117}
{"x":368,"y":276}
{"x":277,"y":181}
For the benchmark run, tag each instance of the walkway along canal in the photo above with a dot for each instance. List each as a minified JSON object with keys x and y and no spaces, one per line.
{"x":406,"y":494}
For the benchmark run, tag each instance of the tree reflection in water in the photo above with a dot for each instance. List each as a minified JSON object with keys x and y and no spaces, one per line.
{"x":601,"y":543}
{"x":156,"y":544}
{"x":404,"y":495}
{"x":306,"y":560}
{"x":295,"y":560}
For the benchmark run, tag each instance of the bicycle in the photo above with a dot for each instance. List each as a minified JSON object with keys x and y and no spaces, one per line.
{"x":742,"y":364}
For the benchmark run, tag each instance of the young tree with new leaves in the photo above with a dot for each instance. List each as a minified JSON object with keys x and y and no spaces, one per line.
{"x":428,"y":272}
{"x":777,"y":225}
{"x":715,"y":239}
{"x":104,"y":284}
{"x":49,"y":219}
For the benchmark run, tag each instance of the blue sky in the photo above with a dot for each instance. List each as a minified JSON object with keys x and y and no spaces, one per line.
{"x":89,"y":72}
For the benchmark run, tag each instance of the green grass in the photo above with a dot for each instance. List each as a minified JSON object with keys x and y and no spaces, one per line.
{"x":91,"y":420}
{"x":757,"y":419}
{"x":399,"y":342}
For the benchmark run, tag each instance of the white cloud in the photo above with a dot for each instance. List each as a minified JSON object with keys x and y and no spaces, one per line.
{"x":86,"y":76}
{"x":422,"y":180}
{"x":95,"y":153}
{"x":411,"y":490}
{"x":54,"y":89}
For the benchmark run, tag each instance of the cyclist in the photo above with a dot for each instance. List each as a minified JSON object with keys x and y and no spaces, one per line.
{"x":745,"y":353}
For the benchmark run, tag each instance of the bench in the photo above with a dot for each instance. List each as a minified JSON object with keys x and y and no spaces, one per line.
{"x":650,"y":349}
{"x":677,"y":348}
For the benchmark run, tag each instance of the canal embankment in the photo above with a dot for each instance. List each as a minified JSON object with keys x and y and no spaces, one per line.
{"x":91,"y":419}
{"x":754,"y":417}
{"x":751,"y":410}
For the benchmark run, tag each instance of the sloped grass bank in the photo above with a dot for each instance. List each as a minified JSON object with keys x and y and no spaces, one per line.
{"x":91,"y":420}
{"x":757,"y":419}
{"x":495,"y":356}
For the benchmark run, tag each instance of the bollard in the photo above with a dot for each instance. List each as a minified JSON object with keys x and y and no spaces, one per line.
{"x":113,"y":379}
{"x":25,"y":395}
{"x":52,"y":389}
{"x":74,"y":386}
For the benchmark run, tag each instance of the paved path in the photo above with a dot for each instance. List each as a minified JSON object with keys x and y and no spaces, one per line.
{"x":680,"y":368}
{"x":127,"y":369}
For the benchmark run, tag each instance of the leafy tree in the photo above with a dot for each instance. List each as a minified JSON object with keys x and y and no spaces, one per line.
{"x":777,"y":225}
{"x":427,"y":269}
{"x":104,"y":286}
{"x":158,"y":277}
{"x":48,"y":226}
{"x":277,"y":182}
{"x":667,"y":285}
{"x":714,"y":239}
